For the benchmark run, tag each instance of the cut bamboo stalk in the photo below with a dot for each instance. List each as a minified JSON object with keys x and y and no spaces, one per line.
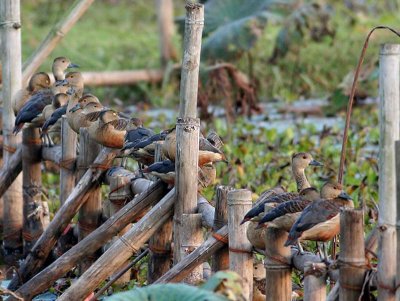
{"x":54,"y":37}
{"x":114,"y":258}
{"x":93,"y":241}
{"x":220,"y":259}
{"x":389,"y":110}
{"x":352,"y":255}
{"x":34,"y":221}
{"x":10,"y":172}
{"x":397,"y":154}
{"x":181,"y":270}
{"x":68,"y":158}
{"x":240,"y":249}
{"x":315,"y":282}
{"x":160,"y":243}
{"x":277,"y":264}
{"x":36,"y":259}
{"x":11,"y":76}
{"x":53,"y":154}
{"x":165,"y":18}
{"x":89,"y":217}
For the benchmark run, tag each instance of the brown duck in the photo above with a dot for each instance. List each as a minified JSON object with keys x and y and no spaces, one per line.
{"x":76,"y":116}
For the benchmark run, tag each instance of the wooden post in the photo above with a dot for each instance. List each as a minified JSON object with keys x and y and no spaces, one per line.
{"x":68,"y":158}
{"x":35,"y":260}
{"x":187,"y":139}
{"x":11,"y":77}
{"x":94,"y":241}
{"x":165,"y":18}
{"x":240,"y":249}
{"x":160,"y":243}
{"x":113,"y":259}
{"x":54,"y":37}
{"x":277,"y":264}
{"x":389,"y":59}
{"x":34,"y":223}
{"x":397,"y":152}
{"x":315,"y":281}
{"x":220,"y":260}
{"x":89,"y":217}
{"x":352,"y":254}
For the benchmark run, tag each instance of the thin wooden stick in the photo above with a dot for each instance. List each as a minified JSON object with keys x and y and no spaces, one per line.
{"x":54,"y":37}
{"x":68,"y":158}
{"x":94,"y":241}
{"x":121,"y":250}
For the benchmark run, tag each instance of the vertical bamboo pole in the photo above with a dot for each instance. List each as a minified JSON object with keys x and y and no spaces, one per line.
{"x":277,"y":264}
{"x":352,"y":254}
{"x":240,"y":254}
{"x":165,"y":18}
{"x":397,"y":152}
{"x":90,"y":213}
{"x":389,"y":82}
{"x":68,"y":158}
{"x":11,"y":76}
{"x":187,"y":132}
{"x":32,"y":187}
{"x":220,"y":260}
{"x":160,"y":242}
{"x":315,"y":281}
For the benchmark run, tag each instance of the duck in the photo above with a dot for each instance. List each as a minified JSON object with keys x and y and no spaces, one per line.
{"x":76,"y":116}
{"x":207,"y":175}
{"x":60,"y":64}
{"x":165,"y":170}
{"x":38,"y":81}
{"x":320,"y":220}
{"x":300,"y":161}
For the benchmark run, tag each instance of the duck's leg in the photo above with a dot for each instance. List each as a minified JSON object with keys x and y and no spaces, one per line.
{"x":300,"y":247}
{"x":50,"y":142}
{"x":124,"y":161}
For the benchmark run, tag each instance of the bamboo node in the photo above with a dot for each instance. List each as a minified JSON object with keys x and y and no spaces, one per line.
{"x":234,"y":250}
{"x":159,"y":251}
{"x":276,"y":261}
{"x":195,"y":22}
{"x":314,"y":270}
{"x":68,"y":164}
{"x":353,"y":264}
{"x":11,"y":24}
{"x":351,"y":287}
{"x":128,"y":244}
{"x":221,"y":238}
{"x":388,"y":288}
{"x":30,"y":141}
{"x":9,"y":148}
{"x":86,"y":226}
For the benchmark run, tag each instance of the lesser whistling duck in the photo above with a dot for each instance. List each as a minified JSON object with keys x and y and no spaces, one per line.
{"x":76,"y":116}
{"x":165,"y":170}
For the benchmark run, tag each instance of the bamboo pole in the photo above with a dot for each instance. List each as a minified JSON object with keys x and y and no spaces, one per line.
{"x":9,"y":173}
{"x":397,"y":154}
{"x":34,"y":220}
{"x":389,"y":59}
{"x":68,"y":158}
{"x":277,"y":264}
{"x":240,"y":249}
{"x":352,"y":255}
{"x":220,"y":259}
{"x":93,"y":241}
{"x":35,"y":260}
{"x":113,"y":259}
{"x":315,"y":281}
{"x":89,"y":216}
{"x":53,"y":154}
{"x":54,"y":37}
{"x":160,"y":243}
{"x":207,"y":212}
{"x":181,"y":270}
{"x":165,"y":18}
{"x":11,"y":75}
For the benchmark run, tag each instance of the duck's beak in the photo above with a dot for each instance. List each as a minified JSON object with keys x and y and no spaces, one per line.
{"x":316,"y":163}
{"x":345,"y":196}
{"x":63,"y":82}
{"x":75,"y":108}
{"x":72,"y":65}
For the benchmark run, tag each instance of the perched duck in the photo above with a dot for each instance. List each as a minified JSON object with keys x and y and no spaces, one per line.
{"x":38,"y":81}
{"x":60,"y":64}
{"x":76,"y":116}
{"x":57,"y":114}
{"x":300,"y":162}
{"x":165,"y":170}
{"x":207,"y":175}
{"x":320,"y":220}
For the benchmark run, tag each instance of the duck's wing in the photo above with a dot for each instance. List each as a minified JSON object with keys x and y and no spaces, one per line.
{"x":293,"y":206}
{"x":93,"y":116}
{"x":205,"y":145}
{"x":119,"y":124}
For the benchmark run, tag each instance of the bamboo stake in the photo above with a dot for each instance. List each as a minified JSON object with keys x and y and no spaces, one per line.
{"x":240,"y":249}
{"x":165,"y":18}
{"x":220,"y":259}
{"x":54,"y":37}
{"x":389,"y":59}
{"x":9,"y":173}
{"x":53,"y":154}
{"x":397,"y":154}
{"x":34,"y":223}
{"x":68,"y":158}
{"x":181,"y":270}
{"x":113,"y":259}
{"x":11,"y":76}
{"x":89,"y":216}
{"x":352,"y":255}
{"x":35,"y":260}
{"x":93,"y":241}
{"x":315,"y":281}
{"x":160,"y":242}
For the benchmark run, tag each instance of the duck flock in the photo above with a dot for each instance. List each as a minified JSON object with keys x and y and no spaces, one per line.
{"x":305,"y":215}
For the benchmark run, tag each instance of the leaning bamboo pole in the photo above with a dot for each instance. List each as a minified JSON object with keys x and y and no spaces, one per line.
{"x":35,"y":260}
{"x":113,"y":259}
{"x":54,"y":37}
{"x":53,"y":154}
{"x":389,"y":119}
{"x":9,"y":173}
{"x":165,"y":19}
{"x":68,"y":159}
{"x":187,"y":139}
{"x":93,"y":241}
{"x":397,"y":152}
{"x":11,"y":72}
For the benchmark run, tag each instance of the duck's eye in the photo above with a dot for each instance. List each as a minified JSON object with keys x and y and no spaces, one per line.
{"x":63,"y":61}
{"x":304,"y":157}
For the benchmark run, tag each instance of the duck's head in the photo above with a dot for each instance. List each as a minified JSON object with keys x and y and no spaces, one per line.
{"x":88,"y":98}
{"x":93,"y":107}
{"x":40,"y":80}
{"x":332,"y":190}
{"x":302,"y":160}
{"x":310,"y":193}
{"x":134,"y":123}
{"x":60,"y":64}
{"x":108,"y":115}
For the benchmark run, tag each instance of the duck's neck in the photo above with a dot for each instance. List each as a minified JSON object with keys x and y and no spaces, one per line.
{"x":300,"y":178}
{"x":58,"y":74}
